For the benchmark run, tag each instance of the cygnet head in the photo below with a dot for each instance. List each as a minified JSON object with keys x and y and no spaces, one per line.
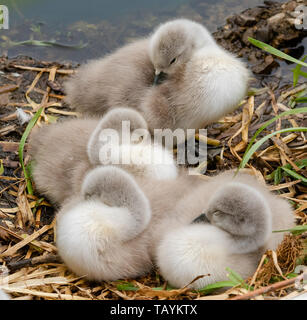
{"x":121,"y":124}
{"x":240,"y":210}
{"x":173,"y":43}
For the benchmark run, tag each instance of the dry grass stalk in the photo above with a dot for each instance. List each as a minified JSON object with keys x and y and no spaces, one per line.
{"x":27,"y":244}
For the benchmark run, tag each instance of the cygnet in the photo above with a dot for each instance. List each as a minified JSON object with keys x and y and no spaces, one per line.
{"x":202,"y":82}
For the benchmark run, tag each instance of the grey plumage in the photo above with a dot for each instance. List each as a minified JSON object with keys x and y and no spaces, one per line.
{"x":114,"y":224}
{"x":203,"y":83}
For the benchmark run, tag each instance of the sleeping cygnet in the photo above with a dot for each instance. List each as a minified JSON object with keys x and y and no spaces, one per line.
{"x":62,"y":153}
{"x":203,"y":81}
{"x":115,"y":223}
{"x":119,"y":226}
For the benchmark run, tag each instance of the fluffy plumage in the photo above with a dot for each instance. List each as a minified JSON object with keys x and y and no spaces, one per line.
{"x":59,"y":168}
{"x":204,"y":82}
{"x":95,"y":229}
{"x":104,"y":237}
{"x":115,"y":80}
{"x":113,"y":224}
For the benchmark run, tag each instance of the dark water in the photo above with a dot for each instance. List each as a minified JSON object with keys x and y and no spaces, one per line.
{"x":99,"y":26}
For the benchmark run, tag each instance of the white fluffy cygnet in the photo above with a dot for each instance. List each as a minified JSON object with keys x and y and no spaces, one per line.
{"x":202,"y":81}
{"x":67,"y":150}
{"x":119,"y":226}
{"x":147,"y":160}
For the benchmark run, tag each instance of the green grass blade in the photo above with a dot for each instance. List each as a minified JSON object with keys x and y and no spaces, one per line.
{"x":275,"y":51}
{"x":277,"y":176}
{"x":295,"y":230}
{"x":302,"y":163}
{"x":22,"y":145}
{"x":297,"y":72}
{"x":301,"y":100}
{"x":217,"y":285}
{"x":294,"y":174}
{"x":127,"y":286}
{"x":168,"y":288}
{"x":283,"y":114}
{"x":1,"y":167}
{"x":234,"y":276}
{"x":252,"y":149}
{"x":302,"y":73}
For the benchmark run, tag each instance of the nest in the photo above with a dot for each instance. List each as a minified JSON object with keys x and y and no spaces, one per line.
{"x":31,"y":268}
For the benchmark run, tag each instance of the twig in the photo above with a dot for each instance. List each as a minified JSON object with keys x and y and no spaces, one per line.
{"x":60,"y":71}
{"x":48,"y":258}
{"x":27,"y":240}
{"x":270,"y":288}
{"x":257,"y":271}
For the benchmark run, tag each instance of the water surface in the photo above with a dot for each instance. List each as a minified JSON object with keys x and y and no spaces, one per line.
{"x":100,"y":26}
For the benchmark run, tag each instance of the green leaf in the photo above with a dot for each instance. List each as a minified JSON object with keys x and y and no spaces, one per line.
{"x":302,"y":100}
{"x":127,"y":286}
{"x":301,"y":73}
{"x":294,"y":111}
{"x":287,"y":170}
{"x":293,"y":102}
{"x":296,"y":230}
{"x":29,"y":168}
{"x":274,"y":51}
{"x":51,"y":119}
{"x":168,"y":288}
{"x":302,"y":163}
{"x":255,"y":147}
{"x":217,"y":285}
{"x":22,"y":145}
{"x":297,"y":72}
{"x":234,"y":280}
{"x":277,"y":176}
{"x":294,"y":174}
{"x":37,"y":204}
{"x":1,"y":167}
{"x":234,"y":276}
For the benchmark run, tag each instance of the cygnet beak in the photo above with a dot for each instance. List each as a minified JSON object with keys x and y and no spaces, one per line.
{"x":201,"y":219}
{"x":160,"y":76}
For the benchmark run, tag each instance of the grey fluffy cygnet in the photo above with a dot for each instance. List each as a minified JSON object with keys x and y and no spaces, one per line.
{"x":118,"y":227}
{"x":64,"y":152}
{"x":114,"y":223}
{"x":203,"y":81}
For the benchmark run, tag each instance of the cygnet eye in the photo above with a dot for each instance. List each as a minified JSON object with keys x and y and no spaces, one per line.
{"x":217,"y":213}
{"x":173,"y":61}
{"x":139,"y":139}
